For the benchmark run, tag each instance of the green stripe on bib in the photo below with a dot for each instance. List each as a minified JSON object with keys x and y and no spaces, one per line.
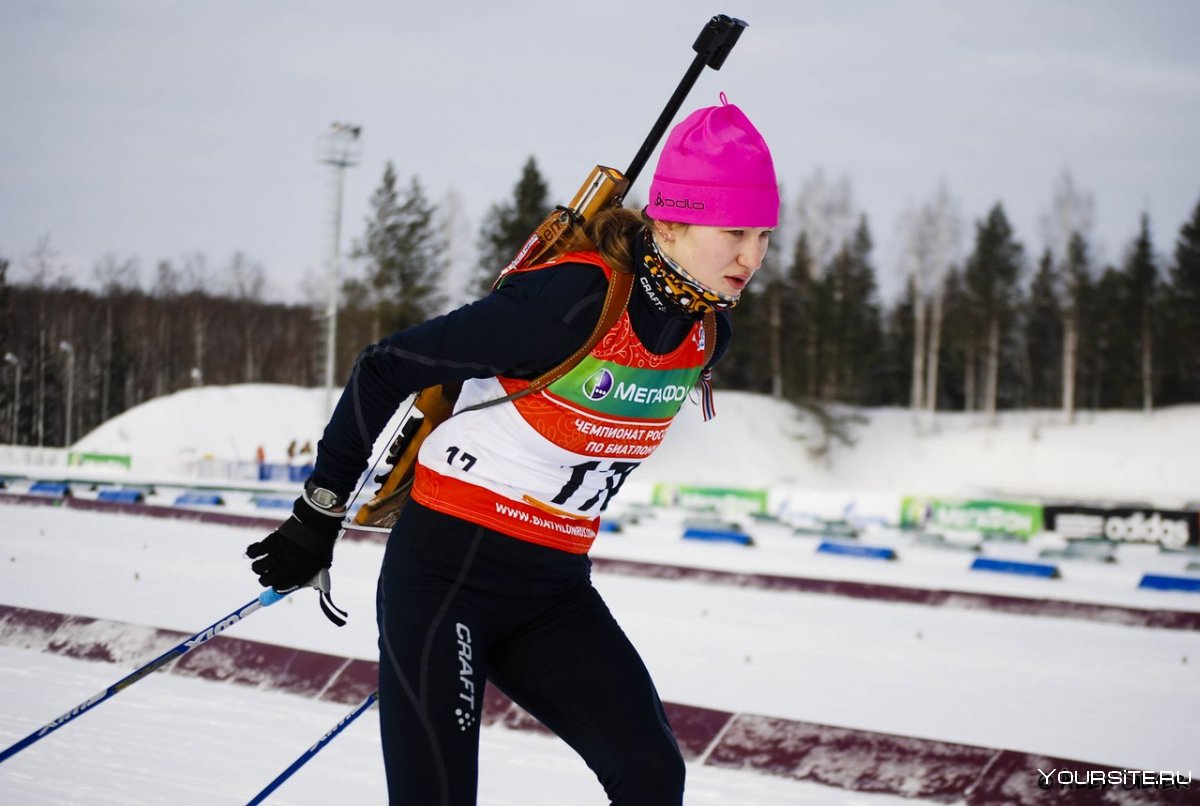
{"x":606,"y":387}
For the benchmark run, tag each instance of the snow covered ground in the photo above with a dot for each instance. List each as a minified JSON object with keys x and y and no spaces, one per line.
{"x":1113,"y":695}
{"x":1117,"y":696}
{"x":190,"y":742}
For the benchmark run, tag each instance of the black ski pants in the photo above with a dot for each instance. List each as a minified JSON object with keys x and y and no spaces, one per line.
{"x":460,"y":606}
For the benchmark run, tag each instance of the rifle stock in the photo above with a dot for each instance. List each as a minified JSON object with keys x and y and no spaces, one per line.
{"x":384,"y":507}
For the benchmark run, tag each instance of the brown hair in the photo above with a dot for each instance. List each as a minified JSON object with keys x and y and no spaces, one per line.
{"x":610,"y":232}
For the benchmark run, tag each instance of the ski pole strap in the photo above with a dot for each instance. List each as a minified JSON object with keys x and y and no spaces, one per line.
{"x":324,"y":586}
{"x":265,"y":599}
{"x":316,"y":748}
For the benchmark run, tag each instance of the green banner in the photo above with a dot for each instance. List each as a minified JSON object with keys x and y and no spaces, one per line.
{"x":1010,"y":517}
{"x":632,"y":392}
{"x":721,"y":498}
{"x":102,"y":459}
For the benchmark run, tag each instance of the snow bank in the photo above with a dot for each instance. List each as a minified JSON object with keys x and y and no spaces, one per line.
{"x":756,"y":441}
{"x":227,"y":423}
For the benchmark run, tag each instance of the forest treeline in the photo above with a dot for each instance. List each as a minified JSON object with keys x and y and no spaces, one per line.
{"x":985,"y":323}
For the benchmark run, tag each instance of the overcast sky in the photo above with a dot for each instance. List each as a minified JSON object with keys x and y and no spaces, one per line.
{"x":154,"y":129}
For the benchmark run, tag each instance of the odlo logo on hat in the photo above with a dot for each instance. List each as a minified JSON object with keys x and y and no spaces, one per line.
{"x":683,"y":204}
{"x":598,"y":384}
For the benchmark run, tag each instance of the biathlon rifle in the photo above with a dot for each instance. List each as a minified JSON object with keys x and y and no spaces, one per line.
{"x":604,"y":188}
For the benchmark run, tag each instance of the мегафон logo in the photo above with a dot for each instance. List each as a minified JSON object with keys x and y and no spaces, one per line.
{"x":598,"y":384}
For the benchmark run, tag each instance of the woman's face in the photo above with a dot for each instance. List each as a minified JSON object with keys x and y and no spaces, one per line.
{"x":722,"y":259}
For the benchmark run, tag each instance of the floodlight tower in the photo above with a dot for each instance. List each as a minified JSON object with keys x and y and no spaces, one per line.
{"x":340,"y":149}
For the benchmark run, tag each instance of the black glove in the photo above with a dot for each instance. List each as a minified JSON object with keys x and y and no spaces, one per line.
{"x":298,"y":550}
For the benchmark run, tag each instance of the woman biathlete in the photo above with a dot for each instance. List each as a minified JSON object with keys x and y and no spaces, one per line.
{"x":486,"y":576}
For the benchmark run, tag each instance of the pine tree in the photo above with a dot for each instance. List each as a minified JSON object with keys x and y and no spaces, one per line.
{"x":775,"y":292}
{"x":1181,"y":351}
{"x":855,"y":338}
{"x":1142,"y":271}
{"x":404,"y":255}
{"x":746,"y":364}
{"x":954,"y":382}
{"x":1014,"y":372}
{"x":1110,"y":356}
{"x":508,"y":225}
{"x":10,"y":362}
{"x":802,"y":318}
{"x":1043,"y":335}
{"x":991,"y":277}
{"x":1076,"y":281}
{"x":897,"y":364}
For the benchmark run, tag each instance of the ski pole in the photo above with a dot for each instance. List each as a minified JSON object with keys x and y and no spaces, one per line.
{"x":316,"y":748}
{"x":268,"y":597}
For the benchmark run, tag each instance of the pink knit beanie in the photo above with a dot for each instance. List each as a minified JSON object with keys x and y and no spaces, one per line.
{"x":715,"y":170}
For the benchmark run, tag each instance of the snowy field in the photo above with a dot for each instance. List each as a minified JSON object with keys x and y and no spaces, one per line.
{"x":1113,"y":695}
{"x":1116,"y":696}
{"x":195,"y":743}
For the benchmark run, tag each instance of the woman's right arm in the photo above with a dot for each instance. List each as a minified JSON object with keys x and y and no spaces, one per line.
{"x":531,"y":323}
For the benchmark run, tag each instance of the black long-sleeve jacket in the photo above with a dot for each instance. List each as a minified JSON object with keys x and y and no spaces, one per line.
{"x":530,"y":324}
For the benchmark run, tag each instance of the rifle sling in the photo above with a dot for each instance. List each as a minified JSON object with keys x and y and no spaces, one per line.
{"x":383,"y":509}
{"x":616,"y":300}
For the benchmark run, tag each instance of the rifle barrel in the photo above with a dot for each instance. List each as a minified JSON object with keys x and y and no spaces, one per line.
{"x":717,"y":38}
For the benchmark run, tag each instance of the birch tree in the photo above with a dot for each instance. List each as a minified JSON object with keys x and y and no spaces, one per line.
{"x":991,"y":275}
{"x":247,"y":281}
{"x":117,"y":280}
{"x":455,"y":227}
{"x":825,"y":215}
{"x":825,"y":223}
{"x":1066,"y":228}
{"x":932,"y":244}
